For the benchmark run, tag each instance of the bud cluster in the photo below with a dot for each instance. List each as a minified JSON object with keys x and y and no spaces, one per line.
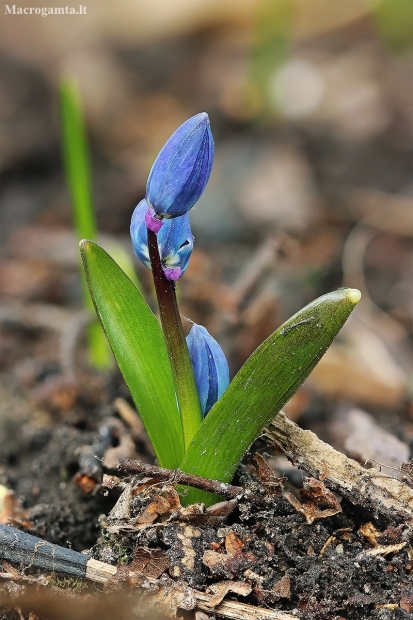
{"x":176,"y":181}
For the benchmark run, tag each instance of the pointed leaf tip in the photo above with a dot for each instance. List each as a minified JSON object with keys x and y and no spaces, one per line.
{"x":84,"y":244}
{"x":354,"y":295}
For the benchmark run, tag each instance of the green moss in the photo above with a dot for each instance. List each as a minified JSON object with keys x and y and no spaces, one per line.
{"x":68,"y":583}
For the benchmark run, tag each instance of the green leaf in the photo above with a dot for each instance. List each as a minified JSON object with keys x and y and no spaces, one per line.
{"x":139,"y":347}
{"x":261,"y":388}
{"x":77,"y":169}
{"x":77,"y":159}
{"x":124,"y":261}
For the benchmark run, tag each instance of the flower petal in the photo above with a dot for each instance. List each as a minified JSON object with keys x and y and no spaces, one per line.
{"x":139,"y":233}
{"x":181,"y":171}
{"x":175,"y":241}
{"x":210,"y":366}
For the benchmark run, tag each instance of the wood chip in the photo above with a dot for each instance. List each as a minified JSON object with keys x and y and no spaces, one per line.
{"x":121,"y":510}
{"x":368,"y":488}
{"x":384,"y":550}
{"x":222,"y":588}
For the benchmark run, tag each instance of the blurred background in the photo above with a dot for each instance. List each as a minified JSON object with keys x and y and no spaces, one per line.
{"x":310,"y":103}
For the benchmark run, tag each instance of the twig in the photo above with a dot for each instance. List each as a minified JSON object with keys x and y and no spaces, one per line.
{"x":179,"y":477}
{"x":353,"y":261}
{"x":399,"y":469}
{"x":257,"y":264}
{"x":20,"y":548}
{"x":377,"y":493}
{"x":29,"y":551}
{"x":240,"y":611}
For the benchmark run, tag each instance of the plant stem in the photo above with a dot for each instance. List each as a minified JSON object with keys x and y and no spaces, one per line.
{"x":77,"y":169}
{"x":182,"y":371}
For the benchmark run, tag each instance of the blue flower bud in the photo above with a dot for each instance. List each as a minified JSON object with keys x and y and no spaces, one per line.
{"x":181,"y":171}
{"x":210,"y":366}
{"x":175,"y":241}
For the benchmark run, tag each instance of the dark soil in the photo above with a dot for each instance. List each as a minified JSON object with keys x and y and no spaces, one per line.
{"x":322,"y":570}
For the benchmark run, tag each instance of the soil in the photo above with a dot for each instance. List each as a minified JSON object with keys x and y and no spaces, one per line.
{"x":266,"y":550}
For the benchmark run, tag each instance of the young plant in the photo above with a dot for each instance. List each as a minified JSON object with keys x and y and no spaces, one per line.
{"x":78,"y":176}
{"x":77,"y":168}
{"x":196,"y":419}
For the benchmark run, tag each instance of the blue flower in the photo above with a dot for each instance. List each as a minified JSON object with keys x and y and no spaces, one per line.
{"x":182,"y":169}
{"x":210,"y":366}
{"x":175,"y":241}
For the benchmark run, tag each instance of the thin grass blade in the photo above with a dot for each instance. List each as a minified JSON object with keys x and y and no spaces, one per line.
{"x":77,"y":168}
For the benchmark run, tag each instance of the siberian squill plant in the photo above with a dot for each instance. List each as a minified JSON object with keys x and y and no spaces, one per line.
{"x":197,"y":420}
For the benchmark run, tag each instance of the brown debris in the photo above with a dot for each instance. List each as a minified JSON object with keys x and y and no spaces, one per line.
{"x":309,"y":511}
{"x":391,"y":534}
{"x":222,"y":588}
{"x":391,"y":606}
{"x":406,"y":602}
{"x":213,"y":515}
{"x":149,"y":562}
{"x":326,"y":545}
{"x":164,"y":504}
{"x":86,"y":483}
{"x":110,"y":482}
{"x":229,"y":563}
{"x":159,"y":506}
{"x":220,"y":510}
{"x":282,"y":589}
{"x":317,"y":494}
{"x":369,"y":532}
{"x":179,"y":477}
{"x":167,"y":502}
{"x":272,"y":483}
{"x":370,"y":489}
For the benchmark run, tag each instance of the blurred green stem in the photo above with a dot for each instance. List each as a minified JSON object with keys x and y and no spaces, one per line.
{"x":77,"y":169}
